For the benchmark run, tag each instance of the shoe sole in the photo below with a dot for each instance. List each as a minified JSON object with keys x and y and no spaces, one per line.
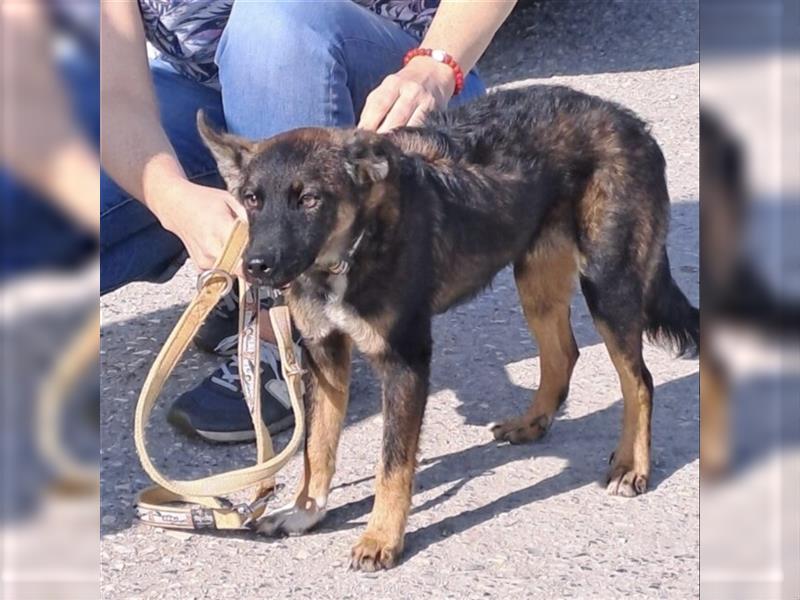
{"x":182,"y":423}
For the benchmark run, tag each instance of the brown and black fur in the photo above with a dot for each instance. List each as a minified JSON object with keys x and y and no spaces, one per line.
{"x":559,"y":184}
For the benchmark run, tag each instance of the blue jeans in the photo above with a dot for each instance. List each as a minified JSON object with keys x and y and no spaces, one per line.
{"x":282,"y":65}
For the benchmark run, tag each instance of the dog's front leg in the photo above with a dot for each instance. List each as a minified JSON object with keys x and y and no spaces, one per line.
{"x":326,"y":404}
{"x":405,"y":391}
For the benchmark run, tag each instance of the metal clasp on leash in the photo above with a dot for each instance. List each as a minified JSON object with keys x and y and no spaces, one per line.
{"x":209,"y":274}
{"x":254,"y":510}
{"x":273,"y":294}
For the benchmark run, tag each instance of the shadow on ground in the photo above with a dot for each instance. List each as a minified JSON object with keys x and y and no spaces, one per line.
{"x":579,"y":441}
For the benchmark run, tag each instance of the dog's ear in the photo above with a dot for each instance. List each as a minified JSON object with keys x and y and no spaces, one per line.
{"x":369,"y":157}
{"x":230,"y":151}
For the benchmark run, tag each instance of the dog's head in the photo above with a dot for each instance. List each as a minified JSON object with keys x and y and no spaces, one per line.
{"x":304,"y":192}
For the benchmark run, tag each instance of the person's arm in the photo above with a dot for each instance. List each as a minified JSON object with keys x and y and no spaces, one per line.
{"x":41,"y":144}
{"x":135,"y":151}
{"x":463,"y":30}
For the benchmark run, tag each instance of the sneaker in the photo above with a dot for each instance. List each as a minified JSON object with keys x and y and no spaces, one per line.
{"x":221,"y":323}
{"x":216,"y":410}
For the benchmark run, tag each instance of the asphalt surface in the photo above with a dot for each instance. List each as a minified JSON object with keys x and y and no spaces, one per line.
{"x":487,"y":520}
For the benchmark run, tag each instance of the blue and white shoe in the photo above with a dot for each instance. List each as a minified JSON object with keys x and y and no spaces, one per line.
{"x":216,"y":410}
{"x":221,"y":324}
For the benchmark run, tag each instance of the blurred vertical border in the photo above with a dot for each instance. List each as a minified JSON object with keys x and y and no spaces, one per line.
{"x":750,"y":294}
{"x":49,"y":328}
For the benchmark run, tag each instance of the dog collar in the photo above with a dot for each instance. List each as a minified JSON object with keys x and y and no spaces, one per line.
{"x":343,"y":266}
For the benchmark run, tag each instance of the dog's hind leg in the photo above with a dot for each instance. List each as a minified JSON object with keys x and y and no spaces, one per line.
{"x":546,"y":280}
{"x":326,"y":405}
{"x":615,"y":300}
{"x":622,"y":222}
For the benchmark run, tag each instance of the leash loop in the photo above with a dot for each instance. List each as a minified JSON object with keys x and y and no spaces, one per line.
{"x":201,"y":503}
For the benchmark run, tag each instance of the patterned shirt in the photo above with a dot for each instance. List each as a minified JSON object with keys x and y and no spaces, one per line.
{"x":185,"y":33}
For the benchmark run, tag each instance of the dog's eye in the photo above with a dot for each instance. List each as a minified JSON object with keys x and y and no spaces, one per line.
{"x":250,"y":200}
{"x":309,"y":200}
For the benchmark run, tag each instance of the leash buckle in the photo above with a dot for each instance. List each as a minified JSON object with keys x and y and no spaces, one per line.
{"x":204,"y":277}
{"x":252,"y":511}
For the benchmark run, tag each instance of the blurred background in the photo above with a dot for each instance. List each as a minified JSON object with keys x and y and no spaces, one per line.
{"x":750,"y":290}
{"x":49,"y":281}
{"x":750,"y":265}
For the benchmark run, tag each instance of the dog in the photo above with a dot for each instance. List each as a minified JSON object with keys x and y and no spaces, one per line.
{"x":372,"y":235}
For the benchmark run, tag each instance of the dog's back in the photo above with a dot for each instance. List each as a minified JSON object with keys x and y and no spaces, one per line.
{"x":549,"y":170}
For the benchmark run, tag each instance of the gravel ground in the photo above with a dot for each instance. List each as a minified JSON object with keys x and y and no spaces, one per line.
{"x":487,"y":520}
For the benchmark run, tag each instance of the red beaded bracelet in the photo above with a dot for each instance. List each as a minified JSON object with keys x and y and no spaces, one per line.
{"x":442,"y":57}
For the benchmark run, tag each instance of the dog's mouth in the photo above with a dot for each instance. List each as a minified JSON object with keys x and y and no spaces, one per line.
{"x":280,"y":281}
{"x":281,"y":286}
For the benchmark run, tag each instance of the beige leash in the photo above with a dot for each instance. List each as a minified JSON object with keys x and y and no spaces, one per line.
{"x":200,"y":503}
{"x":74,"y":364}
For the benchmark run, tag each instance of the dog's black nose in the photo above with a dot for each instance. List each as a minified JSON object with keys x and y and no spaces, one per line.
{"x":257,"y":267}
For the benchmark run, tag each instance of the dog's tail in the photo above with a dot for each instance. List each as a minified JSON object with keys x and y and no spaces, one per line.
{"x":672,"y":321}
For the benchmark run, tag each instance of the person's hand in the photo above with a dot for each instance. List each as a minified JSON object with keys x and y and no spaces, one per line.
{"x":404,"y":98}
{"x":202,"y":217}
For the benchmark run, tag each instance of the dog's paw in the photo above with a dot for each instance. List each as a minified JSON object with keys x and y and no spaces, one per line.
{"x":624,"y":480}
{"x":520,"y":429}
{"x":294,"y":518}
{"x":374,"y":552}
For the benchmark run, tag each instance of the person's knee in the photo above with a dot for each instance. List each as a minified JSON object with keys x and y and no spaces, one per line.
{"x":279,"y":64}
{"x":263,"y":30}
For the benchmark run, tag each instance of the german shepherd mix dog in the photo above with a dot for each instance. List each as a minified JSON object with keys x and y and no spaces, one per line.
{"x":372,"y":235}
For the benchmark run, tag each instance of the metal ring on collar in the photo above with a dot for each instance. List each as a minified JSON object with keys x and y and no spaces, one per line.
{"x":207,"y":275}
{"x":340,"y":268}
